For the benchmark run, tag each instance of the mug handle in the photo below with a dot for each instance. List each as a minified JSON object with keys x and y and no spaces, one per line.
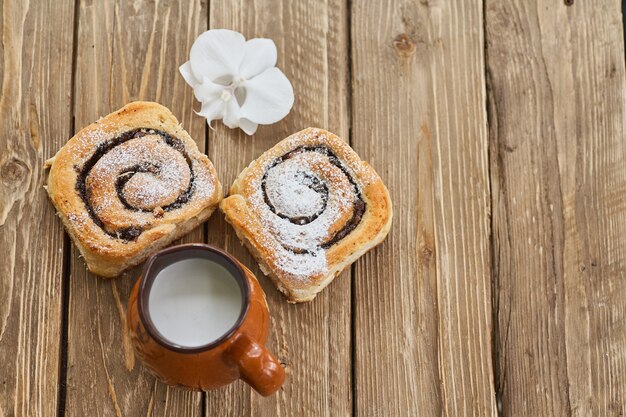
{"x":257,"y":366}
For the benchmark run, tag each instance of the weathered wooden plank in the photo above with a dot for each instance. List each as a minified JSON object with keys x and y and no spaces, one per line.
{"x":422,"y":299}
{"x":558,"y":155}
{"x":126,"y":51}
{"x":312,"y":339}
{"x":35,"y":117}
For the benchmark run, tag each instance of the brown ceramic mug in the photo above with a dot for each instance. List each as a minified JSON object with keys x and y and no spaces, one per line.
{"x":238,"y":353}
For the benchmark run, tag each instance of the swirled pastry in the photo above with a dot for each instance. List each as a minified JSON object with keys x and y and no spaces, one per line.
{"x":129,"y":184}
{"x":306,"y":209}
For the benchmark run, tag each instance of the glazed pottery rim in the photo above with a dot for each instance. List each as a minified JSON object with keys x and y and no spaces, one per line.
{"x":147,"y":279}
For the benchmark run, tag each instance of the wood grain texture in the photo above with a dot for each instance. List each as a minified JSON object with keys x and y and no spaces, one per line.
{"x":35,"y":117}
{"x":126,"y":51}
{"x":312,"y":339}
{"x":558,"y":170}
{"x":422,"y":299}
{"x":447,"y":317}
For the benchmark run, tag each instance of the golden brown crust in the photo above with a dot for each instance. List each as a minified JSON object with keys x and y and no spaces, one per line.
{"x":105,"y":253}
{"x":261,"y":231}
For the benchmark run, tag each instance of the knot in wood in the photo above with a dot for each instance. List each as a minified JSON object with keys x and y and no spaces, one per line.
{"x":13,"y":171}
{"x":426,"y":253}
{"x":404,"y":45}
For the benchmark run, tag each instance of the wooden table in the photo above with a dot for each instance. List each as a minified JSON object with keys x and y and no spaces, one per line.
{"x":499,"y":128}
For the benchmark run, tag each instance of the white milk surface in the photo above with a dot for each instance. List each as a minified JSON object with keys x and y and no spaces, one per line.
{"x":194,"y":301}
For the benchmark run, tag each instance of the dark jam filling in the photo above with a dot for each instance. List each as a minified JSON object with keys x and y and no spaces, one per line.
{"x":130,"y":233}
{"x":321,"y":188}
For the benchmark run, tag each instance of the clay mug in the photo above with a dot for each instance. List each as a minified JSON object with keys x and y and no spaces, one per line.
{"x":238,"y":353}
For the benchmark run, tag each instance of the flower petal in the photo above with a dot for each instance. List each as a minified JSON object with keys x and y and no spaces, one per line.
{"x":217,"y":54}
{"x":207,"y":90}
{"x":269,"y":97}
{"x":232,"y":113}
{"x":248,"y":126}
{"x":260,"y":54}
{"x":212,"y":110}
{"x":185,"y":71}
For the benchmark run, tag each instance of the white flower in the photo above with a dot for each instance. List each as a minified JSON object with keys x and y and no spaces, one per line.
{"x":237,"y":81}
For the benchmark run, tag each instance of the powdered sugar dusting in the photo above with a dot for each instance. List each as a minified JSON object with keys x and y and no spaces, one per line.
{"x":292,"y":192}
{"x":130,"y":183}
{"x":167,"y":176}
{"x":351,"y":161}
{"x":290,"y":186}
{"x":80,"y":221}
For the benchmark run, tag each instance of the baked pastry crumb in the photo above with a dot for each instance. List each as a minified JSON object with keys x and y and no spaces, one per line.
{"x":129,"y":184}
{"x":306,"y":209}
